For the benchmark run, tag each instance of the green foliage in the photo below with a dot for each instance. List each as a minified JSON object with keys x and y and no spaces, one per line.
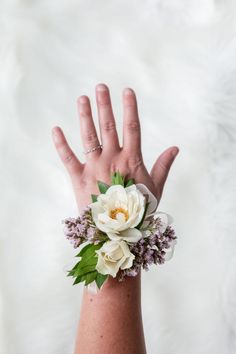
{"x":103,"y":187}
{"x":129,"y":182}
{"x":85,"y":269}
{"x":94,"y":197}
{"x":116,"y":178}
{"x":100,"y":279}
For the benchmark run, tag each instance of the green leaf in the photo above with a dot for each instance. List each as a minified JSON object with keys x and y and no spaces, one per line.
{"x":71,"y":272}
{"x":78,"y":280}
{"x":89,"y":249}
{"x":84,"y":250}
{"x":103,"y":187}
{"x":94,"y":197}
{"x":113,"y":178}
{"x":88,"y":261}
{"x":144,"y":214}
{"x":85,"y":269}
{"x":87,"y":278}
{"x":100,"y":279}
{"x":129,"y":182}
{"x":117,"y":179}
{"x":90,"y":277}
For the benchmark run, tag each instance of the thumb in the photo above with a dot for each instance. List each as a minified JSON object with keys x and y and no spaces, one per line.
{"x":161,"y":168}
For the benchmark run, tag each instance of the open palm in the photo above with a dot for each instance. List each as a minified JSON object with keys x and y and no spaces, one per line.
{"x":112,"y":157}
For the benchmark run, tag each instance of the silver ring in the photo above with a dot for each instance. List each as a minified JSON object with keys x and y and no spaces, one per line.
{"x":93,"y":149}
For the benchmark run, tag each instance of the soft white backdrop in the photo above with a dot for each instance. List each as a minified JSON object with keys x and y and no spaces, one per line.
{"x":179,"y":57}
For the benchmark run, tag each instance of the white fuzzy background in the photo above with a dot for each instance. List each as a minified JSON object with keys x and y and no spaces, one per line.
{"x":180,"y":58}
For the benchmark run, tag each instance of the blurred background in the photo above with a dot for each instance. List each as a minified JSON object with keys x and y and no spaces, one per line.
{"x":179,"y":57}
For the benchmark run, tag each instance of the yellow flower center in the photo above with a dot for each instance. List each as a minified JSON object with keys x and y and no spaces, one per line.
{"x":114,"y":212}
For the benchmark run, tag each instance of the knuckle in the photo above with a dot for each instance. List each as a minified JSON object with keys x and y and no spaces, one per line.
{"x":135,"y":161}
{"x":163,"y":167}
{"x":133,"y":126}
{"x":104,"y":101}
{"x":68,"y":158}
{"x":60,"y":146}
{"x":108,"y":126}
{"x":91,"y":136}
{"x":85,"y":113}
{"x":104,"y":104}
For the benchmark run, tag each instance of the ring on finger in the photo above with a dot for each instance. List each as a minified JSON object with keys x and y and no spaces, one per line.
{"x":93,"y":149}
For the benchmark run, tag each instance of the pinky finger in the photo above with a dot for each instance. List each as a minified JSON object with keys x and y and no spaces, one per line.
{"x":70,"y":161}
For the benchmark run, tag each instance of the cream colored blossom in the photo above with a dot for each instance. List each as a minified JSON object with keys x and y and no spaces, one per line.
{"x":112,"y":256}
{"x":118,"y":211}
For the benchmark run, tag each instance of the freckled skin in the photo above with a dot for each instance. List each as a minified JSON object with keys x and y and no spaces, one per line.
{"x":111,"y":321}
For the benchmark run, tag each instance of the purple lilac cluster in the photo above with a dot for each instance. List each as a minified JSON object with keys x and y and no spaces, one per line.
{"x":82,"y":229}
{"x":149,"y":250}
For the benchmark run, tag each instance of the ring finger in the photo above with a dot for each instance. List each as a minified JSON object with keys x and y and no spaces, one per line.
{"x":88,"y":130}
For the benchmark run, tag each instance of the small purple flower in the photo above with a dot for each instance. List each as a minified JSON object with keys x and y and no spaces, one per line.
{"x":82,"y":229}
{"x":151,"y":249}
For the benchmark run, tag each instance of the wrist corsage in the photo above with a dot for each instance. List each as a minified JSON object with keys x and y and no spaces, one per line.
{"x":119,"y":233}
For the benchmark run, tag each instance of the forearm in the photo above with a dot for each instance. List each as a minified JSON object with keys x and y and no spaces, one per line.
{"x":111,"y":320}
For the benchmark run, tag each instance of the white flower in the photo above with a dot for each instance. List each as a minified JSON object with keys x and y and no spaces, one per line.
{"x":112,"y":256}
{"x":151,"y":199}
{"x":118,"y":211}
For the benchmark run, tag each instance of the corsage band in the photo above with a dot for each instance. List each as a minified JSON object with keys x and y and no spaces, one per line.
{"x":119,"y":233}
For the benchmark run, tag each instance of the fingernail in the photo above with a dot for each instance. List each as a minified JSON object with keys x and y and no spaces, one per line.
{"x":175,"y":152}
{"x":55,"y":134}
{"x":101,"y":87}
{"x":128,"y":91}
{"x":83,"y":99}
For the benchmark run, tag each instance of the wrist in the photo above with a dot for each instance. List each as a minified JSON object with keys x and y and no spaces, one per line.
{"x":130,"y":288}
{"x":129,"y":283}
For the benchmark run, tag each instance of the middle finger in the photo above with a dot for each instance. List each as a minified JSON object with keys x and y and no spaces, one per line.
{"x":107,"y":122}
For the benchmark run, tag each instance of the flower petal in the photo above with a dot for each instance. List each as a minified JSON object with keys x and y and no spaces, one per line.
{"x":117,"y":189}
{"x":166,"y":219}
{"x":152,"y":200}
{"x":113,"y":236}
{"x":170,"y":251}
{"x":104,"y":268}
{"x":128,"y":262}
{"x":131,"y":235}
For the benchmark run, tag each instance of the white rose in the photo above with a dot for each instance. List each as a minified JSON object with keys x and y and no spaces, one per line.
{"x":118,"y":211}
{"x":112,"y":256}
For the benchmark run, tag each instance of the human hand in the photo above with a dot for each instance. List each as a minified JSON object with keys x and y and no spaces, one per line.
{"x":112,"y":157}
